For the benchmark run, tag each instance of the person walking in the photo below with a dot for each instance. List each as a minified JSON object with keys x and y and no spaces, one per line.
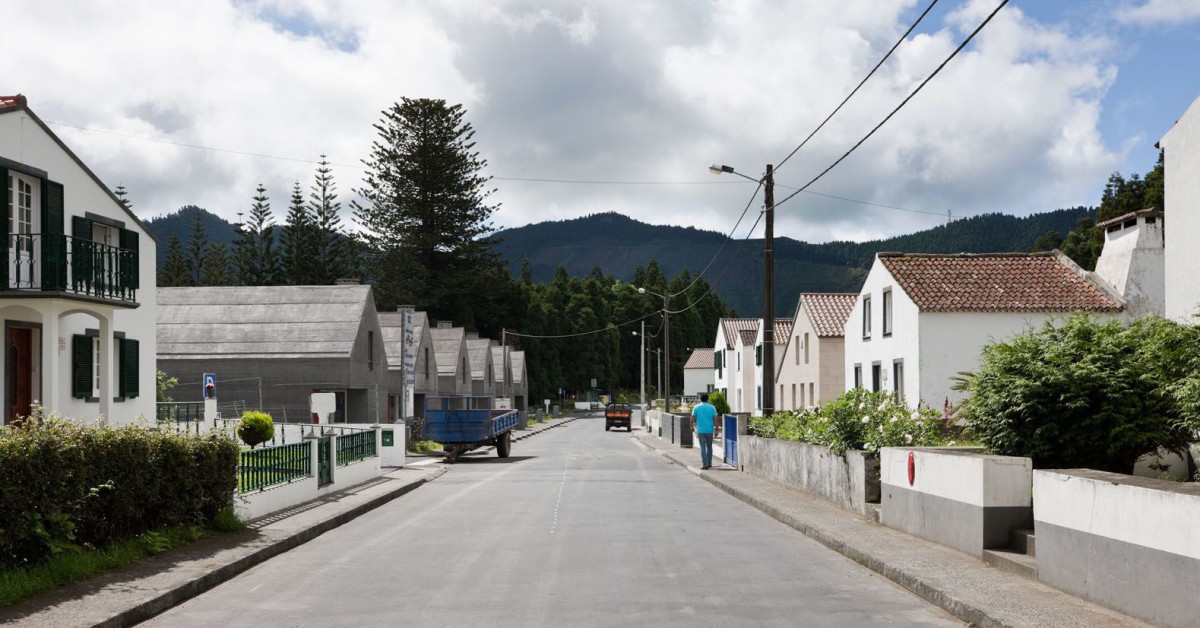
{"x":704,"y":414}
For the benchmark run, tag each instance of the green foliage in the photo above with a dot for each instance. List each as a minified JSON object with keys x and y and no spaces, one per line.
{"x":173,"y":272}
{"x":1087,"y":394}
{"x":328,"y":256}
{"x":255,"y":257}
{"x":163,"y":384}
{"x":64,"y":486}
{"x":422,"y":446}
{"x":256,"y":427}
{"x":717,"y":399}
{"x":216,"y":269}
{"x":858,"y":420}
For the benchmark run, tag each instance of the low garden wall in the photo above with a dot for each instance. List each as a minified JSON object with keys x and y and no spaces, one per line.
{"x":677,"y":428}
{"x":956,"y":496}
{"x":1126,"y":542}
{"x":850,"y":481}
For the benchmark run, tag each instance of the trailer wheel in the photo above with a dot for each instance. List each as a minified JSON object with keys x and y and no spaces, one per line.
{"x":504,"y":445}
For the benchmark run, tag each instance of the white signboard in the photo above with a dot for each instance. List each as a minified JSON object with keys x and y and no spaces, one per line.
{"x":323,"y":405}
{"x":410,"y":351}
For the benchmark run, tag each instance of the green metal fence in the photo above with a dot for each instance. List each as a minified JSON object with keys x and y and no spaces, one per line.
{"x":186,"y":416}
{"x":355,"y":447}
{"x":262,"y":468}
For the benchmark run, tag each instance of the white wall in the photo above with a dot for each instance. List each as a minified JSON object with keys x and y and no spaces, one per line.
{"x":1133,"y":263}
{"x":1181,"y":155}
{"x":902,"y":344}
{"x":696,"y":381}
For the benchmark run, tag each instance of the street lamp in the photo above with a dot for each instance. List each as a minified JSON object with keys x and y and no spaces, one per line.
{"x":642,"y":370}
{"x":768,"y":182}
{"x":666,"y":344}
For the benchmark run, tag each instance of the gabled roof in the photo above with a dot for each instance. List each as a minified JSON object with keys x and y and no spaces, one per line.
{"x":478,"y":352}
{"x":1003,"y":282}
{"x":748,"y":337}
{"x":516,"y":360}
{"x":735,"y":326}
{"x":447,"y":345}
{"x":828,"y":311}
{"x":783,"y":329}
{"x":391,"y":326}
{"x":1149,"y":212}
{"x":498,"y":359}
{"x":700,"y":359}
{"x":260,"y":321}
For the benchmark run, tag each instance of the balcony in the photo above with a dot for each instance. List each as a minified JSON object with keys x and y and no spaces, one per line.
{"x":66,"y":266}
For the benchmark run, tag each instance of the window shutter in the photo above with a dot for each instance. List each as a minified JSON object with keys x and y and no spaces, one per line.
{"x":758,"y":355}
{"x":81,"y":366}
{"x":81,"y":254}
{"x":54,"y":244}
{"x":129,"y":368}
{"x":129,"y":265}
{"x":4,"y":219}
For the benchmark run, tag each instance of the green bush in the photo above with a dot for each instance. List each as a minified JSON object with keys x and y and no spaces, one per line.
{"x":1087,"y":394}
{"x":64,"y":486}
{"x":858,"y":420}
{"x":718,"y":401}
{"x":256,"y":427}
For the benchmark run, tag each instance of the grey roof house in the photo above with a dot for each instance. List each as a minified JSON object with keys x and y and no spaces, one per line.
{"x":271,"y":347}
{"x":450,"y":348}
{"x":479,"y":359}
{"x":424,"y":375}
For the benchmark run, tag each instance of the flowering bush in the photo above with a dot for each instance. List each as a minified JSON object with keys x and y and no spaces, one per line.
{"x":860,"y":420}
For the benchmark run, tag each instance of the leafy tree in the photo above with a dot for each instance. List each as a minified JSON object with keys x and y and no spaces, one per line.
{"x":175,"y":270}
{"x":197,"y":246}
{"x":1048,"y":242}
{"x":297,"y":242}
{"x":216,"y":270}
{"x":424,"y":213}
{"x":255,"y":256}
{"x":328,"y":256}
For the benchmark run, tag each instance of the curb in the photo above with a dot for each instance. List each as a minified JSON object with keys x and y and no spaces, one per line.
{"x":962,"y":610}
{"x":561,"y":422}
{"x":188,"y":590}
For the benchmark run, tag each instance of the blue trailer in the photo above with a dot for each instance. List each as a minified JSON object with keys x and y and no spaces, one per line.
{"x":461,"y":424}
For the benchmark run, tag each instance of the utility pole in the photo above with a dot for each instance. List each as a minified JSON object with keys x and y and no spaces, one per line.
{"x":642,"y":371}
{"x":768,"y":352}
{"x":667,"y":348}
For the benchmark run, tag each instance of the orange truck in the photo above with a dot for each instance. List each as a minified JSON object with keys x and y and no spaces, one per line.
{"x":618,"y":415}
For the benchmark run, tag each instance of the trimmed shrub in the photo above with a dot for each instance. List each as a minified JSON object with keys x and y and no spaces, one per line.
{"x":858,"y":420}
{"x":718,"y":401}
{"x":63,"y":485}
{"x":1087,"y":394}
{"x":256,"y":427}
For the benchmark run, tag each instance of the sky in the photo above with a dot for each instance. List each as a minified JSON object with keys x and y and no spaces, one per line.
{"x":588,"y":106}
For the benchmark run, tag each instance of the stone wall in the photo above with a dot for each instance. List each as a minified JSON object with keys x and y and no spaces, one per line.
{"x":850,"y":481}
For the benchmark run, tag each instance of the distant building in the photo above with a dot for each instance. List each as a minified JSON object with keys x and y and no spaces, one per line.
{"x":733,"y":349}
{"x":1181,"y":162}
{"x":479,"y":360}
{"x":812,"y":368}
{"x":698,"y":374}
{"x":450,"y":347}
{"x":424,"y":369}
{"x":783,"y":329}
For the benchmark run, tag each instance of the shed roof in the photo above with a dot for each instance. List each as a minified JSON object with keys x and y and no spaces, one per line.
{"x":517,"y":360}
{"x":447,"y":346}
{"x":478,"y":352}
{"x":260,"y":321}
{"x":700,"y":359}
{"x":1004,"y":282}
{"x":828,"y":311}
{"x":391,"y":326}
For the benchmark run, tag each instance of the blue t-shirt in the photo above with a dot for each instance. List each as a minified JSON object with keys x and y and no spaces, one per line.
{"x":704,"y":413}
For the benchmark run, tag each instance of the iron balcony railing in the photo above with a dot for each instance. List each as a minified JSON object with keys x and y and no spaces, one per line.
{"x":355,"y":447}
{"x":63,"y":263}
{"x":263,"y":468}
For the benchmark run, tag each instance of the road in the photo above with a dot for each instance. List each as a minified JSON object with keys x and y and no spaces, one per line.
{"x":581,"y":528}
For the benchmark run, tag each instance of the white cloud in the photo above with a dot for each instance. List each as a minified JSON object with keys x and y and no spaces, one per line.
{"x":1161,"y":12}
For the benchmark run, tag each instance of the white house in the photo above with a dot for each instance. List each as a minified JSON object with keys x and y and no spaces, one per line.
{"x":1133,"y":261}
{"x":733,"y":349}
{"x":77,"y":295}
{"x":698,"y":373}
{"x":1181,"y":162}
{"x":783,"y":329}
{"x":919,"y":320}
{"x":812,"y":369}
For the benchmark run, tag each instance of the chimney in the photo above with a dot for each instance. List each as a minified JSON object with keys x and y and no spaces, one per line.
{"x":1133,"y":261}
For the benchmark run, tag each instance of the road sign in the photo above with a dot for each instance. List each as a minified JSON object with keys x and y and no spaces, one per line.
{"x":593,"y":382}
{"x":208,"y":386}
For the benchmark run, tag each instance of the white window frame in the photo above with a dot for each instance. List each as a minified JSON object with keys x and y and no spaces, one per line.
{"x":887,"y":311}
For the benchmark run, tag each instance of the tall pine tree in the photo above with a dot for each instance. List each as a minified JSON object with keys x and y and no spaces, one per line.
{"x":328,"y":256}
{"x":424,"y":214}
{"x":296,"y":244}
{"x":216,"y":270}
{"x":174,"y":271}
{"x":255,"y":256}
{"x":197,"y":247}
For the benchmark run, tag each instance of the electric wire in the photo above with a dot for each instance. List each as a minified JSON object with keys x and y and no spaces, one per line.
{"x":860,"y":84}
{"x":900,"y":106}
{"x":728,"y":237}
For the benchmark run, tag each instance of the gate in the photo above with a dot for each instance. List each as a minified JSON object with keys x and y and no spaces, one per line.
{"x":731,"y":440}
{"x":325,"y":461}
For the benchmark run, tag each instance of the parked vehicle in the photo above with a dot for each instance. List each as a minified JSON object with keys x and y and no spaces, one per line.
{"x":461,"y":424}
{"x":618,"y":415}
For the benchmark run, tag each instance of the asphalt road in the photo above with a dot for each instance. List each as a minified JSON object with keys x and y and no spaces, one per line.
{"x":580,"y":527}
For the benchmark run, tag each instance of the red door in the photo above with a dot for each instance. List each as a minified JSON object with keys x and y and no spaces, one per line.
{"x":18,"y":372}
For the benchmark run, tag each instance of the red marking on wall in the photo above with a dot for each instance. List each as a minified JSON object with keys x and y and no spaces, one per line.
{"x":912,"y":468}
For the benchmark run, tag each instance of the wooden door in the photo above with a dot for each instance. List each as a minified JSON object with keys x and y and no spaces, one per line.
{"x":19,"y":373}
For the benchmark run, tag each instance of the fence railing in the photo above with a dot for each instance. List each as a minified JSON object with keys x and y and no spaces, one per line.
{"x":355,"y":447}
{"x":263,"y":468}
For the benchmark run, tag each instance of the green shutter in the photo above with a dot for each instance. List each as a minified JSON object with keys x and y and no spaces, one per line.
{"x":758,"y":355}
{"x":81,"y":366}
{"x":54,"y":244}
{"x":129,"y":368}
{"x":4,"y":220}
{"x":81,"y":255}
{"x":129,"y":263}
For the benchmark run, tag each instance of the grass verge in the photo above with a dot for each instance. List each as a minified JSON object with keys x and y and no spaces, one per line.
{"x":76,"y":564}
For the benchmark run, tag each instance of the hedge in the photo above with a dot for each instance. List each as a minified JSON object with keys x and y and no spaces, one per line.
{"x":63,"y":485}
{"x":859,"y":420}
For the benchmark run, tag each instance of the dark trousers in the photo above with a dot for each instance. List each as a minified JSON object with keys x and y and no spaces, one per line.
{"x":706,"y":441}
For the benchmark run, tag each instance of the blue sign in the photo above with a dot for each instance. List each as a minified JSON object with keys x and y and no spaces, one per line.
{"x":209,"y":386}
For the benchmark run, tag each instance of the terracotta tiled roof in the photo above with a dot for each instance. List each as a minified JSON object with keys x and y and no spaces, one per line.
{"x":700,"y":359}
{"x":16,"y":100}
{"x":783,"y":329}
{"x":1008,"y":282}
{"x":828,"y":311}
{"x":734,"y":326}
{"x":748,"y":337}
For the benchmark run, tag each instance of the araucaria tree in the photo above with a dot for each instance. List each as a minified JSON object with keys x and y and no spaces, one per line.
{"x":297,"y":241}
{"x":255,"y":257}
{"x":424,"y":215}
{"x":328,"y":257}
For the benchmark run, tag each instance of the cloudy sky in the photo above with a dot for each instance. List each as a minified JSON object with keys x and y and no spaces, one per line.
{"x":587,"y":106}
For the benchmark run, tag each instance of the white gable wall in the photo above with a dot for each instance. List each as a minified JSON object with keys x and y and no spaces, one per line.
{"x":791,"y":364}
{"x":1181,"y":155}
{"x":1132,"y":262}
{"x":903,"y":344}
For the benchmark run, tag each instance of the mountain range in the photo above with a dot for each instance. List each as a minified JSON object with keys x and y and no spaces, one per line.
{"x":617,"y":244}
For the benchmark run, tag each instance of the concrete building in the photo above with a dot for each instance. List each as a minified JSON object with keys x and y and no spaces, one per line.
{"x":421,"y":370}
{"x":77,"y":295}
{"x":479,"y":361}
{"x":450,"y":349}
{"x":271,"y":347}
{"x":520,"y":380}
{"x":698,"y":373}
{"x":1181,"y":162}
{"x":812,"y":368}
{"x":919,"y":320}
{"x":733,"y":360}
{"x":1133,"y":262}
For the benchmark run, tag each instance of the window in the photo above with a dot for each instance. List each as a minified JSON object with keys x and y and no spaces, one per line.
{"x":758,"y":355}
{"x":781,"y":397}
{"x":801,"y":395}
{"x":858,"y":376}
{"x":876,"y":377}
{"x":22,"y":198}
{"x":798,"y":347}
{"x":812,"y":399}
{"x":898,"y":380}
{"x":720,"y":363}
{"x":370,"y":350}
{"x":85,"y":371}
{"x":806,"y":347}
{"x":794,"y":406}
{"x":464,"y":370}
{"x":866,"y":317}
{"x":739,"y":362}
{"x":887,"y":312}
{"x":426,"y":362}
{"x":758,"y":392}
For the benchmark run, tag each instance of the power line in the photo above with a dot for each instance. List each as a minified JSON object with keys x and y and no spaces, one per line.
{"x":900,"y":106}
{"x":860,"y":84}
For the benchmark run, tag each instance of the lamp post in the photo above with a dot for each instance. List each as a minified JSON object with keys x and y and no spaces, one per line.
{"x":666,"y":344}
{"x":642,"y":370}
{"x":768,"y":182}
{"x":658,"y":360}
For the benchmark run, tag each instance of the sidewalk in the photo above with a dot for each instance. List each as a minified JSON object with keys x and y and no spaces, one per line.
{"x":134,"y":593}
{"x":961,"y":584}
